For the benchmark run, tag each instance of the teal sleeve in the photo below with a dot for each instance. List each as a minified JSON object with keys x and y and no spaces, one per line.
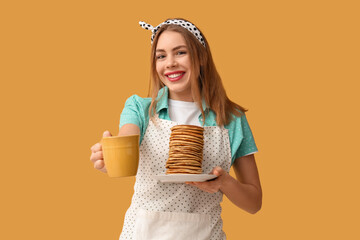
{"x":135,"y":112}
{"x":247,"y":142}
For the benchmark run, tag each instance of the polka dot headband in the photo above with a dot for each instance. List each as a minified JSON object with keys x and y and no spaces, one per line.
{"x":185,"y":24}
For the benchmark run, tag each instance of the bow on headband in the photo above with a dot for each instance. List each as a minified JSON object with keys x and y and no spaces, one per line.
{"x":185,"y":24}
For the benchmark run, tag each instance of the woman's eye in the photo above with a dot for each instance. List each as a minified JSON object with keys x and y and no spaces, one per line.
{"x":181,"y":52}
{"x":160,"y":56}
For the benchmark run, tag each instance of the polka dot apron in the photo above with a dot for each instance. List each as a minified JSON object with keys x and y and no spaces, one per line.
{"x":175,"y":211}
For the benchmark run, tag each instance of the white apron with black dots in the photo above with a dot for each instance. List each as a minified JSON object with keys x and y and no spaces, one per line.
{"x":175,"y":211}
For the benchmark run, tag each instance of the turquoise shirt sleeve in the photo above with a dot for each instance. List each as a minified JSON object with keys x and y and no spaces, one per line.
{"x":136,"y":112}
{"x":247,"y":142}
{"x":241,"y":138}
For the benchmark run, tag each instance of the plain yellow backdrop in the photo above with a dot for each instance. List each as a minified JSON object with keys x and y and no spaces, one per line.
{"x":67,"y":68}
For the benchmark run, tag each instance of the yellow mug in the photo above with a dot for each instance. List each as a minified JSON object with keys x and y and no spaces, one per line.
{"x":121,"y":155}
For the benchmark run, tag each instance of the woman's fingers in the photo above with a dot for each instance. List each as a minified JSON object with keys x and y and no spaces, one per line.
{"x":99,"y":164}
{"x":96,"y":147}
{"x":218,"y":171}
{"x":96,"y":156}
{"x":107,"y":134}
{"x":210,"y":187}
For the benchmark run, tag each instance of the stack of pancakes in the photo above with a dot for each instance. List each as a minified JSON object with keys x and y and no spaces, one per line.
{"x":185,"y":150}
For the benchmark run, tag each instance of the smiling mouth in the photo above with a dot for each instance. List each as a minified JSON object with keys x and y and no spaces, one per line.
{"x":175,"y":76}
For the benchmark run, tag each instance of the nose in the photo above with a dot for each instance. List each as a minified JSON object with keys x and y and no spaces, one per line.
{"x":171,"y":62}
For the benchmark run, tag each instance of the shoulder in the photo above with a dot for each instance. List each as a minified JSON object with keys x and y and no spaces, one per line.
{"x":135,"y":101}
{"x":135,"y":111}
{"x":236,"y":120}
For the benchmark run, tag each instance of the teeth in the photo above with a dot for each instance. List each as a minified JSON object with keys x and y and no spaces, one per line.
{"x":174,"y":75}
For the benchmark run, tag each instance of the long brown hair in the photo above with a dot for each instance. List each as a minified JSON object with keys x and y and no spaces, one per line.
{"x":205,"y":80}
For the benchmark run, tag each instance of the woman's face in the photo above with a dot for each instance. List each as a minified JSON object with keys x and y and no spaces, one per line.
{"x":173,"y":65}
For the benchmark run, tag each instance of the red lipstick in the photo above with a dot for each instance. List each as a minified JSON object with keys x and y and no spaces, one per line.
{"x":179,"y":75}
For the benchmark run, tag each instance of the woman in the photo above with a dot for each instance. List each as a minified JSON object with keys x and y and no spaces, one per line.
{"x":186,"y":89}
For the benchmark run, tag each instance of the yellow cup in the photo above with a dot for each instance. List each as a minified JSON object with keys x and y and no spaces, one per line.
{"x":121,"y":155}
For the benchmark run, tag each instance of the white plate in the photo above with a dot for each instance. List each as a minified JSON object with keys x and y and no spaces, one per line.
{"x":180,"y":178}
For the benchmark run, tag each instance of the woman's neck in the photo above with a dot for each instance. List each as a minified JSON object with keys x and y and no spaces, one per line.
{"x":181,"y":97}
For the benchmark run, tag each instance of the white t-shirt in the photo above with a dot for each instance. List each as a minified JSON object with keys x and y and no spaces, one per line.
{"x":184,"y":112}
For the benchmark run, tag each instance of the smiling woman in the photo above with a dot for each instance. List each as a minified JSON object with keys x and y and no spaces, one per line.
{"x":205,"y":83}
{"x":186,"y":89}
{"x":173,"y":64}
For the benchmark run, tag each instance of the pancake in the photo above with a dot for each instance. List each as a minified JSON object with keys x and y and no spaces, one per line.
{"x":197,"y":135}
{"x":190,"y":147}
{"x":182,"y":138}
{"x":187,"y":127}
{"x":183,"y":163}
{"x":183,"y":171}
{"x":185,"y":150}
{"x":183,"y":167}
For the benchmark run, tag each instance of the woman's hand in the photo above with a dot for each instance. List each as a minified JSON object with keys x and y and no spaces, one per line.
{"x":244,"y":191}
{"x":96,"y":151}
{"x":212,"y":186}
{"x":97,"y":155}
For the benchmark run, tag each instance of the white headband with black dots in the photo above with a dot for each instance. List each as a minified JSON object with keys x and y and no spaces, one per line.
{"x":185,"y":24}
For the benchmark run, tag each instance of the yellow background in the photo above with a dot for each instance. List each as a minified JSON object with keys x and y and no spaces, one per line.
{"x":67,"y":68}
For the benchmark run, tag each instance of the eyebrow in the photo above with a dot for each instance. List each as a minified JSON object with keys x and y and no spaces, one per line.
{"x":174,"y":49}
